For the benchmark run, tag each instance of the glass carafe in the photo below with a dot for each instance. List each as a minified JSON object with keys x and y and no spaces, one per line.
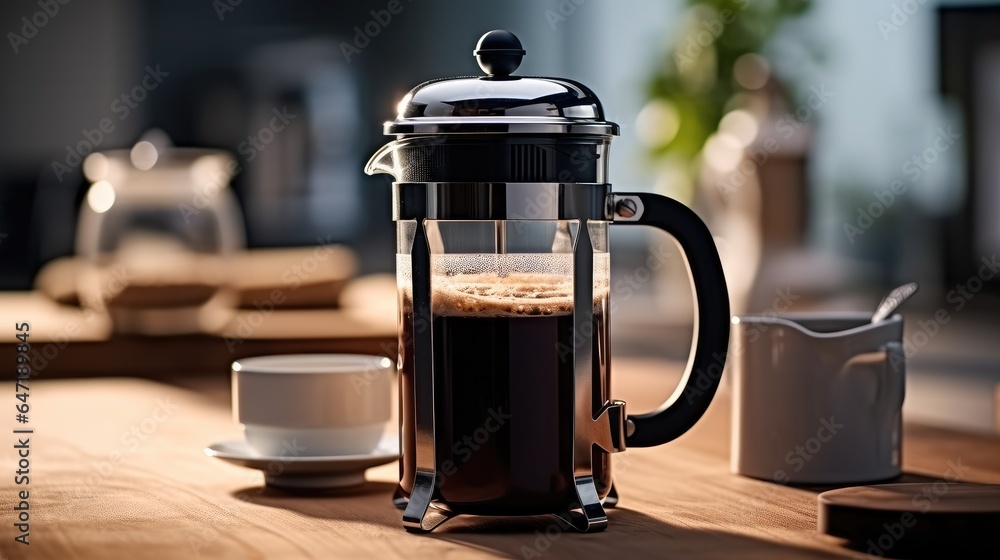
{"x":503,"y":341}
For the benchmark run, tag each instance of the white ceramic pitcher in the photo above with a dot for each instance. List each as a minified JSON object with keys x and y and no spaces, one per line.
{"x":817,"y":398}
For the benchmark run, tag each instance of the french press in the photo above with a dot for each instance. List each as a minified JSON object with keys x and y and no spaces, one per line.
{"x":502,"y":207}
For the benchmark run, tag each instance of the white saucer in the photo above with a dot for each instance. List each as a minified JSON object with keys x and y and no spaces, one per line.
{"x":307,"y":472}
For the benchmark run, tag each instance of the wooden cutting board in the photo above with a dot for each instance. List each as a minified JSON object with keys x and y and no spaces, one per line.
{"x":941,"y":517}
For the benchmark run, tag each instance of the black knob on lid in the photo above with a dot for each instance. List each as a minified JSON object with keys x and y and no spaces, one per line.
{"x":499,"y":53}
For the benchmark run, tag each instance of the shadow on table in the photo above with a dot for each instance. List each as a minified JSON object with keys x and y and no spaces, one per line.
{"x":905,"y":477}
{"x":630,"y":534}
{"x":370,"y":502}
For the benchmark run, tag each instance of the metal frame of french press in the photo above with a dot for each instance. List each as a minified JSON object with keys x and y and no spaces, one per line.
{"x":606,"y":425}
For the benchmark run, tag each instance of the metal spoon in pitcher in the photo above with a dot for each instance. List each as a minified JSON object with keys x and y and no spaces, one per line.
{"x":893,"y":300}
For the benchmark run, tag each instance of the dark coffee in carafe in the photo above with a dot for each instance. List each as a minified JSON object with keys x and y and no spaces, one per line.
{"x":504,"y":377}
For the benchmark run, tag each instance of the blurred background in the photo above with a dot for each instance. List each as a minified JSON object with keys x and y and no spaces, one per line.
{"x":836,"y":149}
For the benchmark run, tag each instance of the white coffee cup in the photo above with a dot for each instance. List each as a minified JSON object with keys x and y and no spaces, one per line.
{"x":817,"y":398}
{"x":312,"y":404}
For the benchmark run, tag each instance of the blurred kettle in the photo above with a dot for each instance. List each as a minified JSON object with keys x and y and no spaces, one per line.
{"x":156,"y":229}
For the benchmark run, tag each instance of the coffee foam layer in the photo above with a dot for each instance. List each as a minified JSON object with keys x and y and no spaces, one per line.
{"x":491,"y":295}
{"x":508,"y":285}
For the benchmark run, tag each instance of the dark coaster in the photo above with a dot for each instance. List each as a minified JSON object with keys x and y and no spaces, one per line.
{"x":914,"y":519}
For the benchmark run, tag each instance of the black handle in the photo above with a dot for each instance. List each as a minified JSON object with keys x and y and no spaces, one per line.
{"x":704,"y":370}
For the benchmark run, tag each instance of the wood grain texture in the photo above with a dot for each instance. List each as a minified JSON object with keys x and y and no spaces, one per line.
{"x":100,"y":491}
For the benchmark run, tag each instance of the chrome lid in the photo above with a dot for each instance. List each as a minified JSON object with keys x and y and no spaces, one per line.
{"x":500,"y":102}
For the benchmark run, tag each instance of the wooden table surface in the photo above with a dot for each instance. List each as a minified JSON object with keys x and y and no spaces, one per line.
{"x":98,"y":490}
